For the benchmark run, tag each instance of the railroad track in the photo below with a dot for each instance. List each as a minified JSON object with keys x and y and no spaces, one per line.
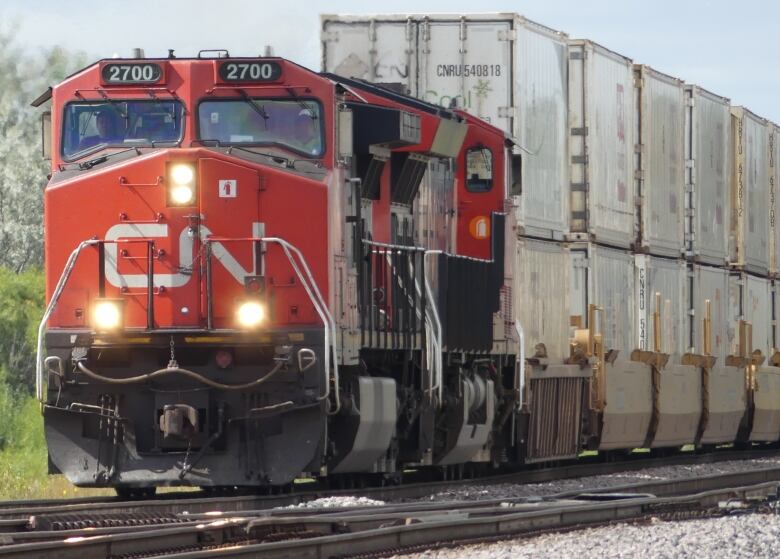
{"x":375,"y":530}
{"x":32,"y":527}
{"x":13,"y":514}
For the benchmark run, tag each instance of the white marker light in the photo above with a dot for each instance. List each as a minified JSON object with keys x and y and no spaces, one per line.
{"x":182,"y":194}
{"x":250,"y":314}
{"x":182,"y":174}
{"x":107,"y":315}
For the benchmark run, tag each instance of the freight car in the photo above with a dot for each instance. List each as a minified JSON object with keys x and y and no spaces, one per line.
{"x":651,"y":199}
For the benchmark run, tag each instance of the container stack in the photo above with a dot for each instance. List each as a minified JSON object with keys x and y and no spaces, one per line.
{"x":646,"y":196}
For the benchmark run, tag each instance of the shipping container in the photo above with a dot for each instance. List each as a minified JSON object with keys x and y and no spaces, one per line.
{"x":749,"y":228}
{"x":660,"y":161}
{"x":660,"y":280}
{"x":751,"y":299}
{"x":774,"y":177}
{"x":540,"y":296}
{"x":501,"y":67}
{"x":707,"y":175}
{"x":711,"y":284}
{"x":601,"y":145}
{"x":377,"y":49}
{"x":605,"y":277}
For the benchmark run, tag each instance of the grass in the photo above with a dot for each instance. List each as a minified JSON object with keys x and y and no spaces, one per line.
{"x":23,"y":460}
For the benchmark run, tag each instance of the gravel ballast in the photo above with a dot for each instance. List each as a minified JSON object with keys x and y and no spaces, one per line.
{"x":733,"y":537}
{"x":660,"y":473}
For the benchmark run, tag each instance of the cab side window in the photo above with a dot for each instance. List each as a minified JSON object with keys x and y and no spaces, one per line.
{"x":479,"y":169}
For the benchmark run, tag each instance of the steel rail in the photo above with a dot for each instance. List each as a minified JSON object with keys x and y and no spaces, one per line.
{"x":377,"y":529}
{"x":173,"y":503}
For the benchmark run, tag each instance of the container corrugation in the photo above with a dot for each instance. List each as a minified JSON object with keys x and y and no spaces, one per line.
{"x":557,"y":397}
{"x":541,"y":126}
{"x":601,"y":145}
{"x":708,"y":171}
{"x":660,"y":162}
{"x":751,"y":299}
{"x":541,"y":301}
{"x":605,"y":277}
{"x":749,"y":231}
{"x":668,"y":279}
{"x":711,"y":284}
{"x":506,"y":69}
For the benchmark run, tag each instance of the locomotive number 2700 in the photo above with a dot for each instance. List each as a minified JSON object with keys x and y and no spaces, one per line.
{"x":131,"y":73}
{"x":250,"y":71}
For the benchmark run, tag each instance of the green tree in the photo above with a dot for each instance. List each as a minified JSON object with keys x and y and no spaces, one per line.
{"x":23,"y":76}
{"x":22,"y":170}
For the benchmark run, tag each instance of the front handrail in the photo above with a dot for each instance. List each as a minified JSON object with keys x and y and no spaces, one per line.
{"x":69,"y":265}
{"x":306,"y":278}
{"x":317,"y":300}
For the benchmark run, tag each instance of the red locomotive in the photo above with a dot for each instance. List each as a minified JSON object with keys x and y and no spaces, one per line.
{"x":256,"y":271}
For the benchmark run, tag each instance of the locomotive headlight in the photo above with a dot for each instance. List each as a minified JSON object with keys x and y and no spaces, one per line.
{"x":107,"y":314}
{"x":182,"y":194}
{"x":250,"y":314}
{"x":181,"y":184}
{"x":182,"y":174}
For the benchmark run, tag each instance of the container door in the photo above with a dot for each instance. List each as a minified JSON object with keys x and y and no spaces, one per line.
{"x":468,"y":62}
{"x":373,"y":50}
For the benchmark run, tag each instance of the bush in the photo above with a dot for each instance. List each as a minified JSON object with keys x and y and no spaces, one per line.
{"x":21,"y":309}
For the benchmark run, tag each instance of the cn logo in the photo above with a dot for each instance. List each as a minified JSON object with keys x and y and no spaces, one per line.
{"x":228,"y":188}
{"x":479,"y":227}
{"x":186,"y":253}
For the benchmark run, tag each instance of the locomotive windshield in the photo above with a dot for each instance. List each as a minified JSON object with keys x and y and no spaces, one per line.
{"x":90,"y":126}
{"x":291,"y":124}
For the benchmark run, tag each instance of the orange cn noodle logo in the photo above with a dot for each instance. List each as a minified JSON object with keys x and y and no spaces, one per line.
{"x":479,"y":227}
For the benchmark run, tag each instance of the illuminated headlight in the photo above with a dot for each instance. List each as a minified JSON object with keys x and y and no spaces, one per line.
{"x":182,"y":194}
{"x":107,"y":314}
{"x":182,"y":174}
{"x":181,"y":184}
{"x":250,"y":314}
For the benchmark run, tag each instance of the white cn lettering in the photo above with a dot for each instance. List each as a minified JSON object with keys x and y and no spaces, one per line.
{"x":186,"y":245}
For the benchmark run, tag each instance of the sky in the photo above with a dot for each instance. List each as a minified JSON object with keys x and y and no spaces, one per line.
{"x":727,"y":47}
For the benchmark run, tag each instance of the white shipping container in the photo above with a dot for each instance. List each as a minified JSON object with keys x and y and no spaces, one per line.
{"x":751,"y":299}
{"x":668,"y":279}
{"x":774,"y":177}
{"x":660,"y":162}
{"x":711,"y":284}
{"x":506,"y":69}
{"x":708,"y":171}
{"x":601,"y":144}
{"x":376,"y":49}
{"x":605,"y":277}
{"x":750,"y":233}
{"x":541,"y":296}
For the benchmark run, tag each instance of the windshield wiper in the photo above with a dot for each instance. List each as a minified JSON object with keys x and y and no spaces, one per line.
{"x":277,"y":158}
{"x":301,"y":102}
{"x":259,"y":109}
{"x":86,"y":165}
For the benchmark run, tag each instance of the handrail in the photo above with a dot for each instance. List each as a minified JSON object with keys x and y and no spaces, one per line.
{"x":69,"y":265}
{"x":309,"y":285}
{"x":520,"y":361}
{"x":317,"y":300}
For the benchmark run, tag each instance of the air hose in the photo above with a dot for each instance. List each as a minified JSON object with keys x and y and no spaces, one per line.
{"x":178,"y":370}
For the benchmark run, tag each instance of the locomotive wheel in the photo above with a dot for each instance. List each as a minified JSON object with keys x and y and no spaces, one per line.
{"x":131,"y":493}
